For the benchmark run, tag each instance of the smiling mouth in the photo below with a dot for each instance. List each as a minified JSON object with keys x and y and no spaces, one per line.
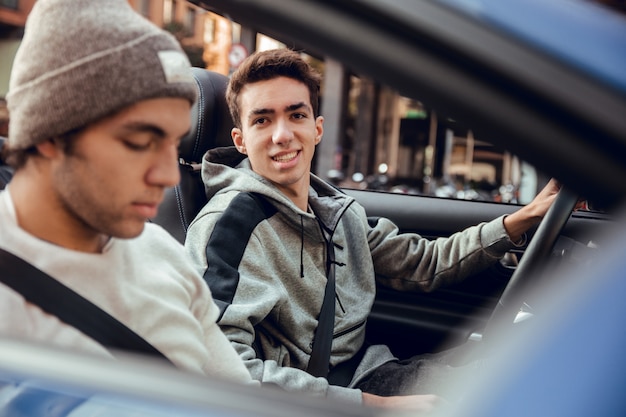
{"x":286,"y":157}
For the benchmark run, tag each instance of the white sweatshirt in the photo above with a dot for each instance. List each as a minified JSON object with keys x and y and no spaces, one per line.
{"x":147,"y":283}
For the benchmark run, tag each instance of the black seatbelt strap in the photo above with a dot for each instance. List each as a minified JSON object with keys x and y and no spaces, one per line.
{"x":320,"y":354}
{"x":51,"y":296}
{"x":343,"y":373}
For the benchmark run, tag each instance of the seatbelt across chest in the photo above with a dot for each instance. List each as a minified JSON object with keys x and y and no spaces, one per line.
{"x":54,"y":298}
{"x":319,"y":362}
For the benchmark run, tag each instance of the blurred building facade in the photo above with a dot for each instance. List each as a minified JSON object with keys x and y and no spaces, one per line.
{"x":183,"y":19}
{"x":373,"y":138}
{"x":13,"y":14}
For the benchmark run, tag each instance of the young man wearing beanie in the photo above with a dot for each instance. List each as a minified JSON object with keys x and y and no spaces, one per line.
{"x":99,"y":99}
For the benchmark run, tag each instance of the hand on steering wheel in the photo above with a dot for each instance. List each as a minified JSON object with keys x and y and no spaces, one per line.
{"x":528,"y":272}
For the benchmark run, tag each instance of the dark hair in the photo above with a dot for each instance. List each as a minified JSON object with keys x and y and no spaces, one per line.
{"x":267,"y":65}
{"x":16,"y":158}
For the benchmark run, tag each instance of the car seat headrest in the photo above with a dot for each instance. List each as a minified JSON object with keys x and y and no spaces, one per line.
{"x":210,"y":120}
{"x":210,"y":128}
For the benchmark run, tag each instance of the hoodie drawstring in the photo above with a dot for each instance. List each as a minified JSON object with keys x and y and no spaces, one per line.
{"x":301,"y":247}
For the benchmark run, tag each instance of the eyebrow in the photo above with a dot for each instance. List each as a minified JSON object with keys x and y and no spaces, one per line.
{"x":141,"y":127}
{"x":291,"y":107}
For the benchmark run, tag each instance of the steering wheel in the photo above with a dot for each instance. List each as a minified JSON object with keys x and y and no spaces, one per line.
{"x":528,"y":272}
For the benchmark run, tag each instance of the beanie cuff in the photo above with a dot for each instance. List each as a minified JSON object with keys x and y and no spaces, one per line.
{"x":42,"y":105}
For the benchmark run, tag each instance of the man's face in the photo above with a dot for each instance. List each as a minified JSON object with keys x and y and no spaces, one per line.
{"x":114,"y":177}
{"x":279,"y":132}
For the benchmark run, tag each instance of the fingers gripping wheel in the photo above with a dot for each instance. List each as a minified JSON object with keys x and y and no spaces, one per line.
{"x":210,"y":128}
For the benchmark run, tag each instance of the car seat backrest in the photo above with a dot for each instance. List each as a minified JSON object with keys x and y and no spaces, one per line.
{"x":210,"y":128}
{"x":6,"y":173}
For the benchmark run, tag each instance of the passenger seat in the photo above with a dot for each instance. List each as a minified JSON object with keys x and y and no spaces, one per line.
{"x":210,"y":128}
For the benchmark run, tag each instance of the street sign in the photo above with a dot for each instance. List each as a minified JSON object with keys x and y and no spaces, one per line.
{"x":237,"y":54}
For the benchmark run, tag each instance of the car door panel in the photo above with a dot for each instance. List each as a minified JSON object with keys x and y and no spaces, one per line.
{"x":412,"y":323}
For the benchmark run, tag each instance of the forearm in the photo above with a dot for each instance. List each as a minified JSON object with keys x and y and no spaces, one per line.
{"x":420,"y":403}
{"x":445,"y":261}
{"x":268,"y":372}
{"x":517,"y":223}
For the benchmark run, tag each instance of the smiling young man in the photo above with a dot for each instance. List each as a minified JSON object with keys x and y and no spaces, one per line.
{"x":272,"y":234}
{"x":280,"y":109}
{"x":99,"y":100}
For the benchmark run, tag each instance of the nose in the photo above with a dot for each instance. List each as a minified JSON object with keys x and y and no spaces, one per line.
{"x":164,"y":171}
{"x":282,"y":133}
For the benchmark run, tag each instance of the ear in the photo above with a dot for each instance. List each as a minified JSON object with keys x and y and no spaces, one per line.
{"x":319,"y":129}
{"x":237,"y":137}
{"x":48,"y":148}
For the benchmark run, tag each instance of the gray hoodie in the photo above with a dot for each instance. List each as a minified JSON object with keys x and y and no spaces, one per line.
{"x":267,"y":270}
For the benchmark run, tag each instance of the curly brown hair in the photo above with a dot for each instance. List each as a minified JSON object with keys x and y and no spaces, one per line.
{"x":267,"y":65}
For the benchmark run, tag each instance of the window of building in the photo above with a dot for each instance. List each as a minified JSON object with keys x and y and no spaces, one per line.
{"x":190,"y":21}
{"x":144,"y":8}
{"x":209,"y":30}
{"x":168,"y":11}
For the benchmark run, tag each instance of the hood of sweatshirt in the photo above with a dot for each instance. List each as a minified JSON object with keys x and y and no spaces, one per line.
{"x":226,"y":169}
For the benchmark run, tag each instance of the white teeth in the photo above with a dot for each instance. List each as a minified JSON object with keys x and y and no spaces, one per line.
{"x":286,"y":157}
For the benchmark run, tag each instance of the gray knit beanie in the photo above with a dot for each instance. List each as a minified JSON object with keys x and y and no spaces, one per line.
{"x":81,"y":60}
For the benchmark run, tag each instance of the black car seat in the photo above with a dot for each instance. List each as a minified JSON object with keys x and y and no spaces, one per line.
{"x":6,"y":173}
{"x":210,"y":127}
